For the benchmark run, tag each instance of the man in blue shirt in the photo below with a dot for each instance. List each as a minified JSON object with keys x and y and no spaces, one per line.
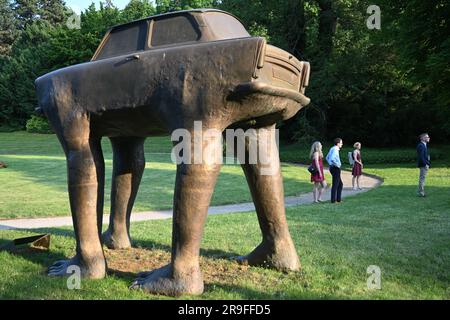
{"x":334,"y":162}
{"x":423,"y":162}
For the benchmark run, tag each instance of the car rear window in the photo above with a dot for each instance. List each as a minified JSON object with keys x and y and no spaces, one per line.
{"x":124,"y":39}
{"x":177,"y":29}
{"x":225,"y":26}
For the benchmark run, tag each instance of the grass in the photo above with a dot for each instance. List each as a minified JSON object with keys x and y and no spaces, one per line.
{"x":406,"y":236}
{"x":36,"y":185}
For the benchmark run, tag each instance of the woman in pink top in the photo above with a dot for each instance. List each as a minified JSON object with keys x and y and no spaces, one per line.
{"x":357,"y":166}
{"x":318,"y":178}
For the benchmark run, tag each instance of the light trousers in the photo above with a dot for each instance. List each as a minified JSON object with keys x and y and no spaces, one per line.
{"x":422,"y":176}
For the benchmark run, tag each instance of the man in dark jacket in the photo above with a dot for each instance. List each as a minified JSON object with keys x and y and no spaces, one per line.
{"x":423,"y":162}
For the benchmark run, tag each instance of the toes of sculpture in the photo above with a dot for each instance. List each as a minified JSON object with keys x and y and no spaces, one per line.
{"x":165,"y":281}
{"x":60,"y":268}
{"x":280,"y":258}
{"x":116,"y":241}
{"x":94,"y":270}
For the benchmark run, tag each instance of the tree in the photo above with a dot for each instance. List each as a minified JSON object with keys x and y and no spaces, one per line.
{"x":53,"y":11}
{"x":163,"y":6}
{"x":364,"y":83}
{"x":327,"y":27}
{"x":137,"y":9}
{"x":419,"y":32}
{"x":26,"y":11}
{"x":97,"y":22}
{"x":8,"y":27}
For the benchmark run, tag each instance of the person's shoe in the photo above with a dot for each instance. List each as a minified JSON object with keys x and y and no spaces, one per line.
{"x":354,"y":189}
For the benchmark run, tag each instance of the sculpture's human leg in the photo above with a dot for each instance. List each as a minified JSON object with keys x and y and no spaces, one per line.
{"x":83,"y":154}
{"x":193,"y":190}
{"x":266,"y":185}
{"x":97,"y":153}
{"x":128,"y":167}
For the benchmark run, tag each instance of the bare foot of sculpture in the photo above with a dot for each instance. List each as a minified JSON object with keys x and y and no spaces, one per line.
{"x":116,"y":240}
{"x":94,"y":268}
{"x":128,"y":167}
{"x":165,"y":281}
{"x":266,"y":185}
{"x":194,"y":187}
{"x":282,"y":257}
{"x":85,"y":184}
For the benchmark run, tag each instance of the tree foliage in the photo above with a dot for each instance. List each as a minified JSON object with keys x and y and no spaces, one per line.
{"x":8,"y":27}
{"x":383,"y":87}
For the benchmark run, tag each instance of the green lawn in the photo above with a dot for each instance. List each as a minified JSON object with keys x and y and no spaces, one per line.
{"x":34,"y":184}
{"x":406,"y":236}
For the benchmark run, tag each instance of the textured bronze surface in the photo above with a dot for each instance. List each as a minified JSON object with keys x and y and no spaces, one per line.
{"x":157,"y":75}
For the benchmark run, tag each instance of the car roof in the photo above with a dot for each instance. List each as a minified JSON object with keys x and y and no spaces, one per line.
{"x":173,"y":13}
{"x":157,"y":17}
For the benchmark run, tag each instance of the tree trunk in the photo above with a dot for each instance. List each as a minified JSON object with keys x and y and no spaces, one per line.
{"x":327,"y":27}
{"x":295,"y":33}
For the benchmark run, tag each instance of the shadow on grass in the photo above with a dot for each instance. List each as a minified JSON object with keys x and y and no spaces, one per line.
{"x":210,"y":253}
{"x":405,"y":235}
{"x":244,"y":292}
{"x":46,"y":258}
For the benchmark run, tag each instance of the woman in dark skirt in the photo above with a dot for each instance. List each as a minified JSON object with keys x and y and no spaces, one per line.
{"x":318,"y":178}
{"x":357,"y":166}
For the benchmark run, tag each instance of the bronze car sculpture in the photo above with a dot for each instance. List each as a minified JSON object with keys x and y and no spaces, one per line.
{"x":166,"y":72}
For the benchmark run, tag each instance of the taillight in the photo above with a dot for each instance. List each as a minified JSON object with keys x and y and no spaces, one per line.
{"x":304,"y":82}
{"x":260,"y":56}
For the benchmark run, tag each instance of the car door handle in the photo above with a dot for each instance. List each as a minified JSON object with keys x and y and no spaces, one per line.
{"x":133,"y":57}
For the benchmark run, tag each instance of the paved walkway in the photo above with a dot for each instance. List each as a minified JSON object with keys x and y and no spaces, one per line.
{"x":366,"y":182}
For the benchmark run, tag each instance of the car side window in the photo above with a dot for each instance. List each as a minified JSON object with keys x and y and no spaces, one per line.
{"x":178,"y":29}
{"x":124,"y":39}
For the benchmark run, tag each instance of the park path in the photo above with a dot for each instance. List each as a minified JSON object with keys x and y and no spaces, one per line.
{"x":366,"y":182}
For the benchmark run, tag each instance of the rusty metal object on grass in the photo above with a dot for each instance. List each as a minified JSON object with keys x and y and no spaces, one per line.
{"x":38,"y":242}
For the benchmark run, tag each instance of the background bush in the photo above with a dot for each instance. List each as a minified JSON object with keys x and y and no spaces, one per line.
{"x":300,"y":153}
{"x":38,"y":124}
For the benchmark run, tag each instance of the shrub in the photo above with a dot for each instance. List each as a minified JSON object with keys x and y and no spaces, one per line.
{"x":10,"y":127}
{"x":300,"y":153}
{"x":38,"y":124}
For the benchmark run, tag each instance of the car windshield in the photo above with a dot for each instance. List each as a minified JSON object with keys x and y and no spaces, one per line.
{"x":124,"y":39}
